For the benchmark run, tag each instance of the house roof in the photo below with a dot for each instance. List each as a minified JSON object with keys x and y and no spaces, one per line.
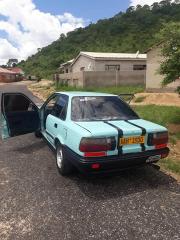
{"x":6,"y":71}
{"x":112,"y":56}
{"x":16,"y":70}
{"x":67,"y":63}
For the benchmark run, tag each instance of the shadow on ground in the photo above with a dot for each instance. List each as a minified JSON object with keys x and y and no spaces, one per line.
{"x":123,"y":183}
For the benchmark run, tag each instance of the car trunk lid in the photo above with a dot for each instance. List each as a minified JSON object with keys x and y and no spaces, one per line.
{"x":119,"y":129}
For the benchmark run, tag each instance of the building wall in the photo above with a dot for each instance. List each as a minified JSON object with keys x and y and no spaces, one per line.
{"x":125,"y":65}
{"x":6,"y":78}
{"x":99,"y":65}
{"x":71,"y":79}
{"x":83,"y":61}
{"x":154,"y":59}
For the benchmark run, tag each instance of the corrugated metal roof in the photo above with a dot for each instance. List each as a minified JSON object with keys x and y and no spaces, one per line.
{"x":16,"y":70}
{"x":114,"y":55}
{"x":6,"y":71}
{"x":67,"y":63}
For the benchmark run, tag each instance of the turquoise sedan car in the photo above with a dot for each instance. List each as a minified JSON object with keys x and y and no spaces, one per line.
{"x":93,"y":132}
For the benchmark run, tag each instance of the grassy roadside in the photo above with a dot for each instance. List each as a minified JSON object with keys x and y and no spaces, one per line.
{"x":44,"y":88}
{"x":168,"y":116}
{"x":114,"y":90}
{"x":163,"y":115}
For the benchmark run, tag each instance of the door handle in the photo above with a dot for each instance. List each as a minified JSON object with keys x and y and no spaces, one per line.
{"x":55,"y":125}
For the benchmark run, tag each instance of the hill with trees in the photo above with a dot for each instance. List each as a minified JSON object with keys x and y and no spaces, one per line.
{"x":134,"y":30}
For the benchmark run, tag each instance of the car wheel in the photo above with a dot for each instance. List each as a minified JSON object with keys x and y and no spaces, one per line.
{"x":63,"y":165}
{"x":38,"y":134}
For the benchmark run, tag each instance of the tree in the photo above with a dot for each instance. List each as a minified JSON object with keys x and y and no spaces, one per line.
{"x":12,"y":62}
{"x":62,"y":37}
{"x":169,"y":36}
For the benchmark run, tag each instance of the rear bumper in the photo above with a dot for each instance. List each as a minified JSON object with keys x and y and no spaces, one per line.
{"x":112,"y":163}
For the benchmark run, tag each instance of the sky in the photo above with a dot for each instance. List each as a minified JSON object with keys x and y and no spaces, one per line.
{"x":26,"y":25}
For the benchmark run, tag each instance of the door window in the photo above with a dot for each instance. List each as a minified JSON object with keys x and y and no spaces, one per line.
{"x":60,"y":107}
{"x":17,"y":102}
{"x":20,"y":113}
{"x":49,"y":107}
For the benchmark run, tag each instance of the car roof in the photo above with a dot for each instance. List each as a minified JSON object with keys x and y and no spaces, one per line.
{"x":85,"y":94}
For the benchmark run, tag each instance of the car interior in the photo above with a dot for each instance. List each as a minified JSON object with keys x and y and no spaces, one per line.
{"x":20,"y":113}
{"x":48,"y":109}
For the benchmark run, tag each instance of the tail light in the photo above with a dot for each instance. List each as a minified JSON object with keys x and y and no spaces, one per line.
{"x":97,"y":144}
{"x":159,"y":140}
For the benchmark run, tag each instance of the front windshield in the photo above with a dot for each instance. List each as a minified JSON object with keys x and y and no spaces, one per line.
{"x":104,"y":108}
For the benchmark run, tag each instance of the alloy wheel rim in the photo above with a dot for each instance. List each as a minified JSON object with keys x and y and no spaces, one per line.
{"x":59,"y":157}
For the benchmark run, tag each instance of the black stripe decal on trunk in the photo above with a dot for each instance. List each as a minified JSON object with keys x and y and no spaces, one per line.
{"x":143,"y":133}
{"x":120,"y":135}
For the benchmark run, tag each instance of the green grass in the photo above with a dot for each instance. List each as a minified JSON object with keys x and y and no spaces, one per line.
{"x":178,"y":135}
{"x":170,"y":165}
{"x":114,"y":90}
{"x":163,"y":115}
{"x":173,"y":138}
{"x":160,"y":114}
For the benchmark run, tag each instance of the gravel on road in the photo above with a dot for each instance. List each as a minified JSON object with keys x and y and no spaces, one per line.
{"x":37,"y":203}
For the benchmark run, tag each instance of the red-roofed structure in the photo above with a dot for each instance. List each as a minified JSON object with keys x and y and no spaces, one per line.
{"x":11,"y":75}
{"x":17,"y":70}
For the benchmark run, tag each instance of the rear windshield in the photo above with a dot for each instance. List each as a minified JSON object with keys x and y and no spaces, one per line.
{"x":100,"y":109}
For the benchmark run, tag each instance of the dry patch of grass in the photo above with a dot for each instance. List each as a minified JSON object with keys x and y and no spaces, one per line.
{"x":42,"y":89}
{"x":161,"y":99}
{"x":139,"y":99}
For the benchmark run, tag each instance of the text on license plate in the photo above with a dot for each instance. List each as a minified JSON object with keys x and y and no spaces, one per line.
{"x":132,"y":140}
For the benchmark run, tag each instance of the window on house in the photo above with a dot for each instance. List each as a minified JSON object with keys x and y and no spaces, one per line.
{"x":112,"y":67}
{"x":82,"y":68}
{"x":67,"y":70}
{"x":139,"y":67}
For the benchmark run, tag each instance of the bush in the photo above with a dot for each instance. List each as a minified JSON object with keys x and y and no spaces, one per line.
{"x":178,"y":90}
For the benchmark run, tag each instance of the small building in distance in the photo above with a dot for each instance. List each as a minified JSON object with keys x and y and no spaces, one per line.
{"x":8,"y":75}
{"x":17,"y":70}
{"x":103,"y":69}
{"x":66,"y":67}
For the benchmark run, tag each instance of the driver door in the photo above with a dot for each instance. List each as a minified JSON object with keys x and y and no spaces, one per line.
{"x":19,"y":115}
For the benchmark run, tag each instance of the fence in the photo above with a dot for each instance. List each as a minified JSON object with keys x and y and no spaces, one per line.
{"x":102,"y":78}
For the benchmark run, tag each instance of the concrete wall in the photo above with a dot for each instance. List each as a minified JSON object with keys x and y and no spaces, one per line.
{"x":125,"y":65}
{"x":102,"y":78}
{"x":71,"y":79}
{"x":112,"y":78}
{"x":83,"y":62}
{"x":154,"y":59}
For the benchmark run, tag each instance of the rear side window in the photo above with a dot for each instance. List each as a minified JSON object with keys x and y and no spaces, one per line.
{"x":60,"y":107}
{"x":104,"y":108}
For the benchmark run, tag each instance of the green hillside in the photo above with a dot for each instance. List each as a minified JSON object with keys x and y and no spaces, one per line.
{"x":126,"y":32}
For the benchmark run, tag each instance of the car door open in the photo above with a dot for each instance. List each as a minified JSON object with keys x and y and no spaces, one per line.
{"x":19,"y":115}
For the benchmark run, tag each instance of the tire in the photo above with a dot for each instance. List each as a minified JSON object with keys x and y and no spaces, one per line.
{"x":63,"y":165}
{"x":38,"y":134}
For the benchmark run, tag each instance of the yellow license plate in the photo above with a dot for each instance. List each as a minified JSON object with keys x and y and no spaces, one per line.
{"x":132,"y":140}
